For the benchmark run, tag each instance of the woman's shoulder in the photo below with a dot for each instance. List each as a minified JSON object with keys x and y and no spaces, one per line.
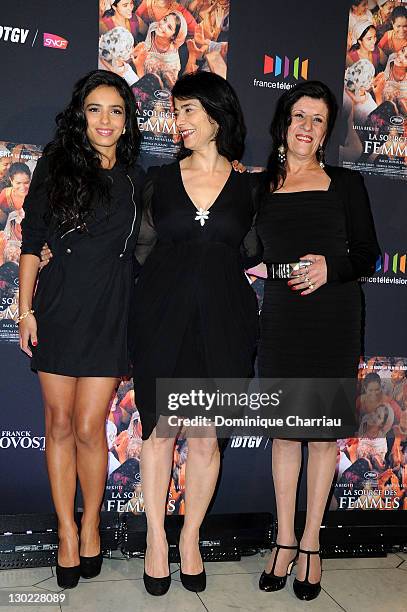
{"x":337,"y":173}
{"x":163,"y":170}
{"x":43,"y":165}
{"x":257,"y":178}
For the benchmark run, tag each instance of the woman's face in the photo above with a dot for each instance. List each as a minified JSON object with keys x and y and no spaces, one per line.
{"x":398,"y":374}
{"x":401,"y":58}
{"x":380,"y":416}
{"x":5,"y":163}
{"x":374,"y":390}
{"x":124,"y":8}
{"x":309,"y":120}
{"x":386,"y":10}
{"x":20,"y":183}
{"x":368,"y":42}
{"x":361,"y":8}
{"x":166,"y":27}
{"x":106,"y":117}
{"x":400,"y":28}
{"x":193,"y":124}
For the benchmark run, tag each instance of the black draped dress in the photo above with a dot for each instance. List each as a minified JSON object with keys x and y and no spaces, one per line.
{"x":195,"y":314}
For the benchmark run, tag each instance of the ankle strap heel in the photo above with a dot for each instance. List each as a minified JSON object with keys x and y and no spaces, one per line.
{"x":269,"y":581}
{"x":304,"y":589}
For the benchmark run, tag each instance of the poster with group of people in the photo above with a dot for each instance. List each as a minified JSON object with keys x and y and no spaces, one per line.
{"x":372,"y":467}
{"x":150,"y":43}
{"x":375,"y":89}
{"x":17,"y":163}
{"x":123,"y":431}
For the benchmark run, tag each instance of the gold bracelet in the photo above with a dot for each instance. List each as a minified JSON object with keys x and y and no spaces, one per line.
{"x":24,"y":315}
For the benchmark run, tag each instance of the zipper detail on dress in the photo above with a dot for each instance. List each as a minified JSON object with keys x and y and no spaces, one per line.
{"x":71,"y":230}
{"x":134,"y":217}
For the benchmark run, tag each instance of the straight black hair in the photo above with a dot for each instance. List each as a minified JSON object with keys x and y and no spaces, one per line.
{"x":221,"y":103}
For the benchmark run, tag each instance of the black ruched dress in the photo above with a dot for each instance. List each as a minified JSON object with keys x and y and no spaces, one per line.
{"x":320,"y":334}
{"x":83,"y":295}
{"x":195,"y":314}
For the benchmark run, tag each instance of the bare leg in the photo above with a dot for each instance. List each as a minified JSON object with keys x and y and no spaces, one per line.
{"x":320,"y":473}
{"x":286,"y":460}
{"x":156,"y":463}
{"x":91,"y":405}
{"x":59,"y":395}
{"x":201,"y":475}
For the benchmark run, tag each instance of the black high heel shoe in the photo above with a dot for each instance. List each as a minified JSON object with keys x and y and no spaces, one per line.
{"x":68,"y":577}
{"x":91,"y":566}
{"x":304,"y":589}
{"x":193,"y":582}
{"x":269,"y":581}
{"x":156,"y":586}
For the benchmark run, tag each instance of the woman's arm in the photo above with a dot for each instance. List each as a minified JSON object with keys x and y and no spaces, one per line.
{"x":147,"y":237}
{"x":363,"y":248}
{"x":34,"y":234}
{"x":27,"y":277}
{"x":251,"y":249}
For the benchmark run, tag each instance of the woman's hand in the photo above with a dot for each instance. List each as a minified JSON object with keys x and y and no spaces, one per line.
{"x":238,"y":166}
{"x":121,"y":444}
{"x":139,"y":56}
{"x":46,"y":255}
{"x":312,"y":277}
{"x":28,"y":331}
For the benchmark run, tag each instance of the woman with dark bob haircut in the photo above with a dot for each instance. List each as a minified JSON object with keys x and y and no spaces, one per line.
{"x":83,"y":202}
{"x":195,"y":313}
{"x":316,"y":216}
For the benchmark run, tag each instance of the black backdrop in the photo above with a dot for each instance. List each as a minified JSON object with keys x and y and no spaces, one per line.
{"x":36,"y":84}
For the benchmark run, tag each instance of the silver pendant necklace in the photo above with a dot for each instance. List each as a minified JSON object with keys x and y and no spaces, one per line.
{"x":202,"y":216}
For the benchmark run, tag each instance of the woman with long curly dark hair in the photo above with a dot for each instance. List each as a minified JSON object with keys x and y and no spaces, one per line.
{"x":83,"y":201}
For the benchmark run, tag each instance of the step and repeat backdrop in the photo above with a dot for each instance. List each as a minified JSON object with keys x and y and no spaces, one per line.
{"x":360,"y":50}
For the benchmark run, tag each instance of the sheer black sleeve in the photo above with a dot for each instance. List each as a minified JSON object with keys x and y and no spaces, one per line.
{"x":251,"y":249}
{"x":147,"y":237}
{"x":36,"y":206}
{"x":363,"y":248}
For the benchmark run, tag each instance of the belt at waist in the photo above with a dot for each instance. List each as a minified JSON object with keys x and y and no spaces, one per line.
{"x":277,"y":271}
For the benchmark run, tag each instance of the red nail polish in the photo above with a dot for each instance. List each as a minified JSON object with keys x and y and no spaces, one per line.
{"x":34,"y":343}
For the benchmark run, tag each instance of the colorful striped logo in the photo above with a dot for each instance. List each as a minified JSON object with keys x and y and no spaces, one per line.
{"x":286,"y":67}
{"x":391,"y":263}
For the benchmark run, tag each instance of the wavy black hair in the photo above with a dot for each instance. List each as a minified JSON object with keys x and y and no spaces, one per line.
{"x":221,"y":103}
{"x":282,"y":119}
{"x":74,"y":179}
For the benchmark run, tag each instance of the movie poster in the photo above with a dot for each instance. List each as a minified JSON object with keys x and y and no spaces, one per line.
{"x":123,"y":431}
{"x":372,"y":468}
{"x":374,"y":115}
{"x":150,"y":43}
{"x":17,"y":163}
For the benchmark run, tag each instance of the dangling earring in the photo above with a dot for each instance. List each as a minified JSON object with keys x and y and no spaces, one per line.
{"x":124,"y":130}
{"x":281,"y":154}
{"x":321,"y":155}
